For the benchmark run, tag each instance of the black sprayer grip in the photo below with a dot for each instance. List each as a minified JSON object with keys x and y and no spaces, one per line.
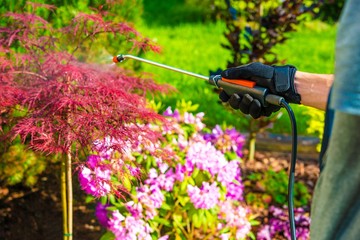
{"x":259,"y":93}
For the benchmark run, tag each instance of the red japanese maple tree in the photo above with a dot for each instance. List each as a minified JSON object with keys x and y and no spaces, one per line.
{"x":69,"y":104}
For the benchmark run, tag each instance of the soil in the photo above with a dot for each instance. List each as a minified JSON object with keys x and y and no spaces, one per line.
{"x":32,"y":214}
{"x":35,"y":214}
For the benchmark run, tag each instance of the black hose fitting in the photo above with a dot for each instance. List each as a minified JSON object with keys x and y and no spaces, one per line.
{"x":118,"y":58}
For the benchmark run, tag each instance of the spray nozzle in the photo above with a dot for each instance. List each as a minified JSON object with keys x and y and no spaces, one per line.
{"x":118,"y":58}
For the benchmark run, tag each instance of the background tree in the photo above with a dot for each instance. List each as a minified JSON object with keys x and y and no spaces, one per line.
{"x":254,"y":28}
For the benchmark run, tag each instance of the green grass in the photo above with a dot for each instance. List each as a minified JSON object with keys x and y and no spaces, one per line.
{"x":196,"y":47}
{"x":174,"y":12}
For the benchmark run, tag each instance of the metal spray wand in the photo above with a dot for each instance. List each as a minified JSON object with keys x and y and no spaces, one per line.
{"x":230,"y":86}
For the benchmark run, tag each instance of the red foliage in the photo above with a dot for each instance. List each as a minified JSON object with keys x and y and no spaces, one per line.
{"x":70,"y":104}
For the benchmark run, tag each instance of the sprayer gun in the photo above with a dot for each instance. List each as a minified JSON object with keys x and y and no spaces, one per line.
{"x":262,"y":94}
{"x":230,"y":86}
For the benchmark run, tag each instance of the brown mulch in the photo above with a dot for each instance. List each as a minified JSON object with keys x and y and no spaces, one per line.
{"x":306,"y":165}
{"x":30,"y":214}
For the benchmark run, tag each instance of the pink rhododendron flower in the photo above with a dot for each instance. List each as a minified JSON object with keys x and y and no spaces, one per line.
{"x":205,"y":197}
{"x":205,"y":157}
{"x":235,"y":216}
{"x":95,"y":177}
{"x":129,"y":228}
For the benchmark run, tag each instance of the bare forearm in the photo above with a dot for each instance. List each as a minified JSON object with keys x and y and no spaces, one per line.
{"x":314,"y":88}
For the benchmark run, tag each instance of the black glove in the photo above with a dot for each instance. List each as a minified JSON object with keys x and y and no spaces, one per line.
{"x":248,"y":105}
{"x":278,"y":79}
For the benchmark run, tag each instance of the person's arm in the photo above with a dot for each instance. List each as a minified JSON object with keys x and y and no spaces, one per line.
{"x":313,"y":88}
{"x":309,"y":89}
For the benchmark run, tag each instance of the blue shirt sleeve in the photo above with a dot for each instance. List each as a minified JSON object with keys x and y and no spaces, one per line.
{"x":346,"y":89}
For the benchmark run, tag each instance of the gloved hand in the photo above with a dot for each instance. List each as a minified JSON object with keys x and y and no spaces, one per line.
{"x":278,"y":79}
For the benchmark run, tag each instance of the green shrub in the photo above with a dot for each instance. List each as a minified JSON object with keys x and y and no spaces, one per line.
{"x":21,"y":165}
{"x":272,"y":189}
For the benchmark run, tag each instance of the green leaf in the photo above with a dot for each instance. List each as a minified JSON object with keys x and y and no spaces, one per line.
{"x":196,"y":220}
{"x":166,"y":206}
{"x":178,"y":219}
{"x":184,"y":200}
{"x":191,"y":181}
{"x":89,"y":199}
{"x":108,"y":236}
{"x":103,"y":200}
{"x":254,"y":222}
{"x":112,"y":199}
{"x":183,"y":187}
{"x":195,"y":173}
{"x":254,"y":176}
{"x":163,"y":221}
{"x":280,"y":198}
{"x":252,"y":235}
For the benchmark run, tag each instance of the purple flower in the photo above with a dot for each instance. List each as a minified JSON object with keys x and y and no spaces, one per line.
{"x":169,"y":113}
{"x":93,"y":161}
{"x":205,"y":157}
{"x":95,"y":179}
{"x":129,"y":228}
{"x":134,"y":171}
{"x":238,"y":141}
{"x":104,"y":147}
{"x":101,"y":214}
{"x":151,"y":198}
{"x":230,"y":140}
{"x":229,"y":172}
{"x":205,"y":197}
{"x":214,"y":135}
{"x":264,"y":233}
{"x":163,"y":181}
{"x":279,"y":224}
{"x":235,"y":191}
{"x":135,"y":209}
{"x":179,"y":172}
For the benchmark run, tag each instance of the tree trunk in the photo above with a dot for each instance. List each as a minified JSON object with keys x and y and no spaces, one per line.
{"x":64,"y":197}
{"x":69,"y":195}
{"x":252,"y":143}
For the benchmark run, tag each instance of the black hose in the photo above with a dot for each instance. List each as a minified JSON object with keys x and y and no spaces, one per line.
{"x":292,"y":168}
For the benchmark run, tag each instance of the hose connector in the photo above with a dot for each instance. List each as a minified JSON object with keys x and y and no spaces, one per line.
{"x":118,"y":58}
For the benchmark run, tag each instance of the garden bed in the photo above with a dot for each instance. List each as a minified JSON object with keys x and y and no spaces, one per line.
{"x":36,"y":213}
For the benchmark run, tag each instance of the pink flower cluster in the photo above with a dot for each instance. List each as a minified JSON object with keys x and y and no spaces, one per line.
{"x":95,"y":177}
{"x":221,"y":192}
{"x":204,"y":156}
{"x":129,"y":228}
{"x":234,"y":217}
{"x":228,"y":140}
{"x":151,"y":198}
{"x":164,"y":181}
{"x":188,"y":118}
{"x":205,"y":197}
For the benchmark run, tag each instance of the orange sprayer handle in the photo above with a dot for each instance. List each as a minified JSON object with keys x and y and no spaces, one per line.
{"x":245,"y":83}
{"x":246,"y":87}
